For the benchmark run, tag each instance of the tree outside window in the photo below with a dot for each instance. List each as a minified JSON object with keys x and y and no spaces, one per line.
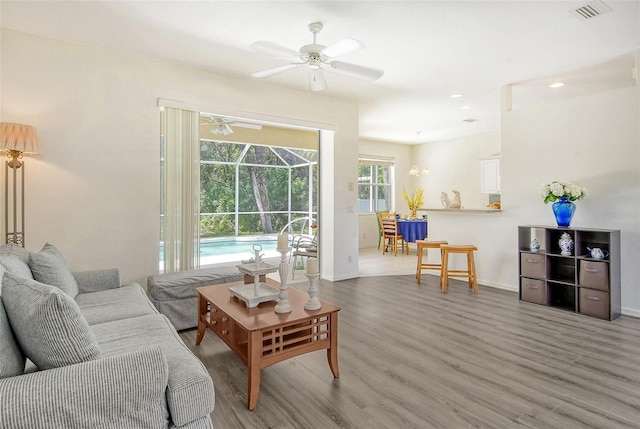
{"x":248,"y":189}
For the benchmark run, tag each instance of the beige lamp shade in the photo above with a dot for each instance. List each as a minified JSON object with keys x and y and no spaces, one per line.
{"x":19,"y":137}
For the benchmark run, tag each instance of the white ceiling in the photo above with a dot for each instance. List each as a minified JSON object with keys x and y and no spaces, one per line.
{"x":427,"y":49}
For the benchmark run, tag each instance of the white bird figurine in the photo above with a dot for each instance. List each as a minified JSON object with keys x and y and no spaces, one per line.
{"x":456,"y":203}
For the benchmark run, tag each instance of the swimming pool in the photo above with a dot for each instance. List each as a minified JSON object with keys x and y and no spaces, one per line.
{"x":226,"y":247}
{"x":231,"y":246}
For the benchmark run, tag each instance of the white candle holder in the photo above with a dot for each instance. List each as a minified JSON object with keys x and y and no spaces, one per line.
{"x":283,"y":305}
{"x":313,"y":303}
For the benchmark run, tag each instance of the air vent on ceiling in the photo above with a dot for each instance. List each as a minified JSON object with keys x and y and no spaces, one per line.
{"x":591,"y":10}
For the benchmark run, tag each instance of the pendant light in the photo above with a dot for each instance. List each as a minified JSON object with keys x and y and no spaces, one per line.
{"x":415,"y":170}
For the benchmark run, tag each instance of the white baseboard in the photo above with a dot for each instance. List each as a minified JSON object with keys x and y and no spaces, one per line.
{"x":630,"y":312}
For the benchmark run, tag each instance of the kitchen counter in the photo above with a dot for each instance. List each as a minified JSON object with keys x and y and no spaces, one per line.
{"x":484,"y":210}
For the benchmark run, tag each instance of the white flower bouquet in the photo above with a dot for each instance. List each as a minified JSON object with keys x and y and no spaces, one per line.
{"x":557,"y":190}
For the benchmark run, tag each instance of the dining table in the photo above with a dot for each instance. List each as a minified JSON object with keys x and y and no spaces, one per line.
{"x":412,"y":229}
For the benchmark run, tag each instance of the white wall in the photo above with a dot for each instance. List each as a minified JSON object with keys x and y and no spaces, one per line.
{"x":591,"y":140}
{"x":455,"y":164}
{"x":95,"y":190}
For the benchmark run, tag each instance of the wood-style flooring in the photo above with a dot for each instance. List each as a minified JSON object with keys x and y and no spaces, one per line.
{"x":412,"y":357}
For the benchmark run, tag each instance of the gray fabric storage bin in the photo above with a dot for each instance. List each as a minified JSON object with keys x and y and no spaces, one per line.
{"x":594,"y":274}
{"x":533,"y":291}
{"x":175,"y":296}
{"x":532,"y":265}
{"x":594,"y":303}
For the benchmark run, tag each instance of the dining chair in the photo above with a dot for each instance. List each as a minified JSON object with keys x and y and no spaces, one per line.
{"x":390,"y":233}
{"x":380,"y":232}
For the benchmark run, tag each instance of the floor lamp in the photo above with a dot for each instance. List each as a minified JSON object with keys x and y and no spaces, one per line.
{"x":17,"y":140}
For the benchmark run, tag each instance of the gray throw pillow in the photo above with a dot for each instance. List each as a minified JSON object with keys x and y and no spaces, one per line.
{"x":15,"y":265}
{"x":47,"y":323}
{"x":15,"y":259}
{"x":11,"y":358}
{"x":13,"y":361}
{"x":49,"y":267}
{"x":13,"y":249}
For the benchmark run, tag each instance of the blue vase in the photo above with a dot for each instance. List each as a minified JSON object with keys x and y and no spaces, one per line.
{"x":563,"y":209}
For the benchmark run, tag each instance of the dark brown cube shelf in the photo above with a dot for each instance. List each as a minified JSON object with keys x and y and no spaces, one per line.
{"x":573,"y":282}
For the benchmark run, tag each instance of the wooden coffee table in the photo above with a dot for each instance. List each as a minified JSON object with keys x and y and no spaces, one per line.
{"x":261,"y":337}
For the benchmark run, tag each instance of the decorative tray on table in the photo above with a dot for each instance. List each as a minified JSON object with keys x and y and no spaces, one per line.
{"x":254,"y":269}
{"x":247,"y":293}
{"x":254,"y":293}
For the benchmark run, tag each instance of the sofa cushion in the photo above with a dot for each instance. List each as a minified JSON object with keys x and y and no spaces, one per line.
{"x":119,"y":392}
{"x":190,"y":393}
{"x":114,"y":304}
{"x":12,"y":360}
{"x":47,"y":323}
{"x":49,"y":267}
{"x":15,"y":263}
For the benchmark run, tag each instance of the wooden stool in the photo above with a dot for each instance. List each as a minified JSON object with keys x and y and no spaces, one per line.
{"x":470,"y":272}
{"x":424,"y":244}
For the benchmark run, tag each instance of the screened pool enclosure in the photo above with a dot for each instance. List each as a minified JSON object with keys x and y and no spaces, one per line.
{"x":249,"y":189}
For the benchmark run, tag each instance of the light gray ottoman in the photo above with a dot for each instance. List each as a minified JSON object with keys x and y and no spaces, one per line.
{"x":175,"y":296}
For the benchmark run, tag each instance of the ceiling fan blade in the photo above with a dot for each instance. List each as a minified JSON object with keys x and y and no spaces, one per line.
{"x":274,"y":49}
{"x":354,"y":70}
{"x":342,"y":47}
{"x":317,"y":82}
{"x":274,"y":70}
{"x":246,"y":125}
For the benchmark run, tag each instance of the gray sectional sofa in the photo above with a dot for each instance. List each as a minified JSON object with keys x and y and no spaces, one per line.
{"x":79,"y":350}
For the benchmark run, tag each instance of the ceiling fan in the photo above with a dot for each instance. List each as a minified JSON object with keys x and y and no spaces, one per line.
{"x":223,"y":125}
{"x":317,"y":58}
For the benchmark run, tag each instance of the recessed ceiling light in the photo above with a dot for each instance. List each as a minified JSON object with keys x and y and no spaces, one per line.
{"x":456,"y":95}
{"x":556,"y":85}
{"x":467,"y":107}
{"x":471,"y":120}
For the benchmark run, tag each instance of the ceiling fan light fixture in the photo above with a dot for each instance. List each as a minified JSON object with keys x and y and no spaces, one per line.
{"x":314,"y":62}
{"x":316,"y":57}
{"x":317,"y":82}
{"x":222,"y":128}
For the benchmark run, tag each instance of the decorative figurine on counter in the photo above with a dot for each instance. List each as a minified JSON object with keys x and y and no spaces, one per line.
{"x":456,"y":203}
{"x":535,"y":245}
